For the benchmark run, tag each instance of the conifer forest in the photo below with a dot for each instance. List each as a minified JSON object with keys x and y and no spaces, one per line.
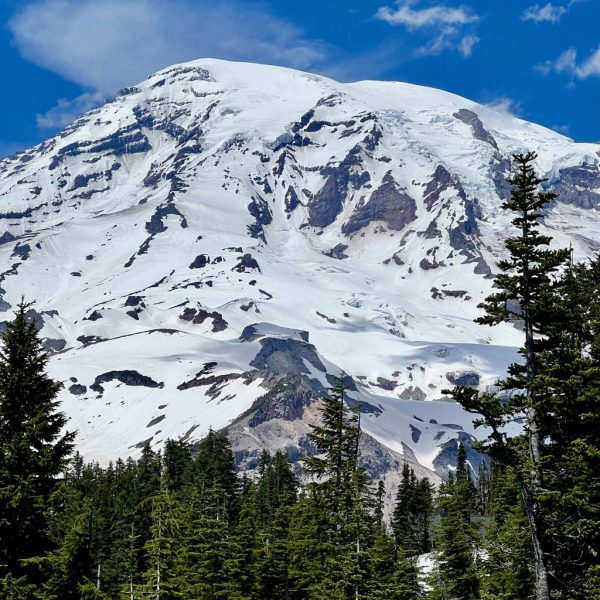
{"x":181,"y":523}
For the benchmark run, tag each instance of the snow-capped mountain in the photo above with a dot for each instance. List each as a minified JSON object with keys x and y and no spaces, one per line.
{"x":206,"y":248}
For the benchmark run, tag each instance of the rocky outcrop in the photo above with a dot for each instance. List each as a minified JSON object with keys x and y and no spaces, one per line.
{"x":197,"y":316}
{"x":214,"y":383}
{"x":286,"y":356}
{"x":246,"y":263}
{"x":477,"y":129}
{"x":337,"y":251}
{"x":412,"y":393}
{"x":468,"y":378}
{"x":448,"y":456}
{"x":327,"y":203}
{"x":387,"y":203}
{"x":259,"y":209}
{"x":579,"y":186}
{"x":53,"y":345}
{"x":127,"y":377}
{"x":440,"y":182}
{"x":200,"y":261}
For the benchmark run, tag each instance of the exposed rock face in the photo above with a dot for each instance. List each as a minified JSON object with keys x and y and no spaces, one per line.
{"x":441,"y":181}
{"x":53,"y":345}
{"x":128,"y":377}
{"x":246,"y":263}
{"x":388,"y":204}
{"x":337,"y":251}
{"x":326,"y":205}
{"x":386,"y":384}
{"x":413,"y":393}
{"x":77,"y":389}
{"x":200,"y":262}
{"x":214,"y":383}
{"x":280,"y":419}
{"x":449,"y":455}
{"x":580,"y":186}
{"x":477,"y":128}
{"x":286,"y":399}
{"x":259,"y":209}
{"x":468,"y":378}
{"x":292,"y":201}
{"x":286,"y":356}
{"x":197,"y":316}
{"x":461,"y":236}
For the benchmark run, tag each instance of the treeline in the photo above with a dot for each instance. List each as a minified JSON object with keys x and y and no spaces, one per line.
{"x":182,"y":524}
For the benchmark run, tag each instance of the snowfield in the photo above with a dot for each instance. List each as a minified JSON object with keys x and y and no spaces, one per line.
{"x":224,"y":230}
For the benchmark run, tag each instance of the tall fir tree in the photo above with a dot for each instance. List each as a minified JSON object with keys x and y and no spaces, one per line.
{"x":412,"y":513}
{"x":457,"y":541}
{"x":527,"y":295}
{"x":507,"y":569}
{"x":33,"y":448}
{"x":337,"y":439}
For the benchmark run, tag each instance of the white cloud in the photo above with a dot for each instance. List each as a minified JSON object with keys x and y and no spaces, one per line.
{"x":591,"y":66}
{"x":67,"y":111}
{"x":505,"y":105}
{"x":548,"y":13}
{"x":567,"y":64}
{"x":434,"y":16}
{"x":104,"y":45}
{"x":448,"y":28}
{"x":467,"y":44}
{"x":449,"y":38}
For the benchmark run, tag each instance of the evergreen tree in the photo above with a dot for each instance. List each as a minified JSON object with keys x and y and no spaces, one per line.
{"x":526,"y":294}
{"x":162,"y":545}
{"x":33,"y":452}
{"x":312,"y":548}
{"x":392,"y":575}
{"x":213,"y":468}
{"x":412,"y":513}
{"x":200,"y":565}
{"x":337,"y":439}
{"x":507,"y":567}
{"x":457,"y":540}
{"x":569,"y":385}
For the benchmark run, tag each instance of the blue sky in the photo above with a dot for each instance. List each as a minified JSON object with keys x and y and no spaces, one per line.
{"x":540,"y":61}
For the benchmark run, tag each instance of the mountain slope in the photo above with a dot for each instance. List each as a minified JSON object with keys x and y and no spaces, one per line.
{"x":211,"y":245}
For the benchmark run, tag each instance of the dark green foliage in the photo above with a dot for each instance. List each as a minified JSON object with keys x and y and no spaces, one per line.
{"x":555,"y":390}
{"x":412,"y":513}
{"x":33,"y":452}
{"x":457,"y":539}
{"x":507,"y":572}
{"x":337,"y":438}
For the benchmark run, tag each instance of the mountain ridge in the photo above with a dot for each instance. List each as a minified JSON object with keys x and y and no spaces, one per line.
{"x":224,"y":230}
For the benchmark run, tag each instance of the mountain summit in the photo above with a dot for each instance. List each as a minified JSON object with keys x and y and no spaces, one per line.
{"x":210,"y":246}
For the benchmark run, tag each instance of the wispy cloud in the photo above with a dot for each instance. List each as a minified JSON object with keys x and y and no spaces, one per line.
{"x":568,"y":64}
{"x":406,"y":14}
{"x":67,"y":111}
{"x":548,"y":13}
{"x":446,"y":27}
{"x":505,"y":105}
{"x":106,"y":44}
{"x":467,"y":44}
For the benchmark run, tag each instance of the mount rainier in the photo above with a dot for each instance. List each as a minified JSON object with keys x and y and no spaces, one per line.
{"x":210,"y":246}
